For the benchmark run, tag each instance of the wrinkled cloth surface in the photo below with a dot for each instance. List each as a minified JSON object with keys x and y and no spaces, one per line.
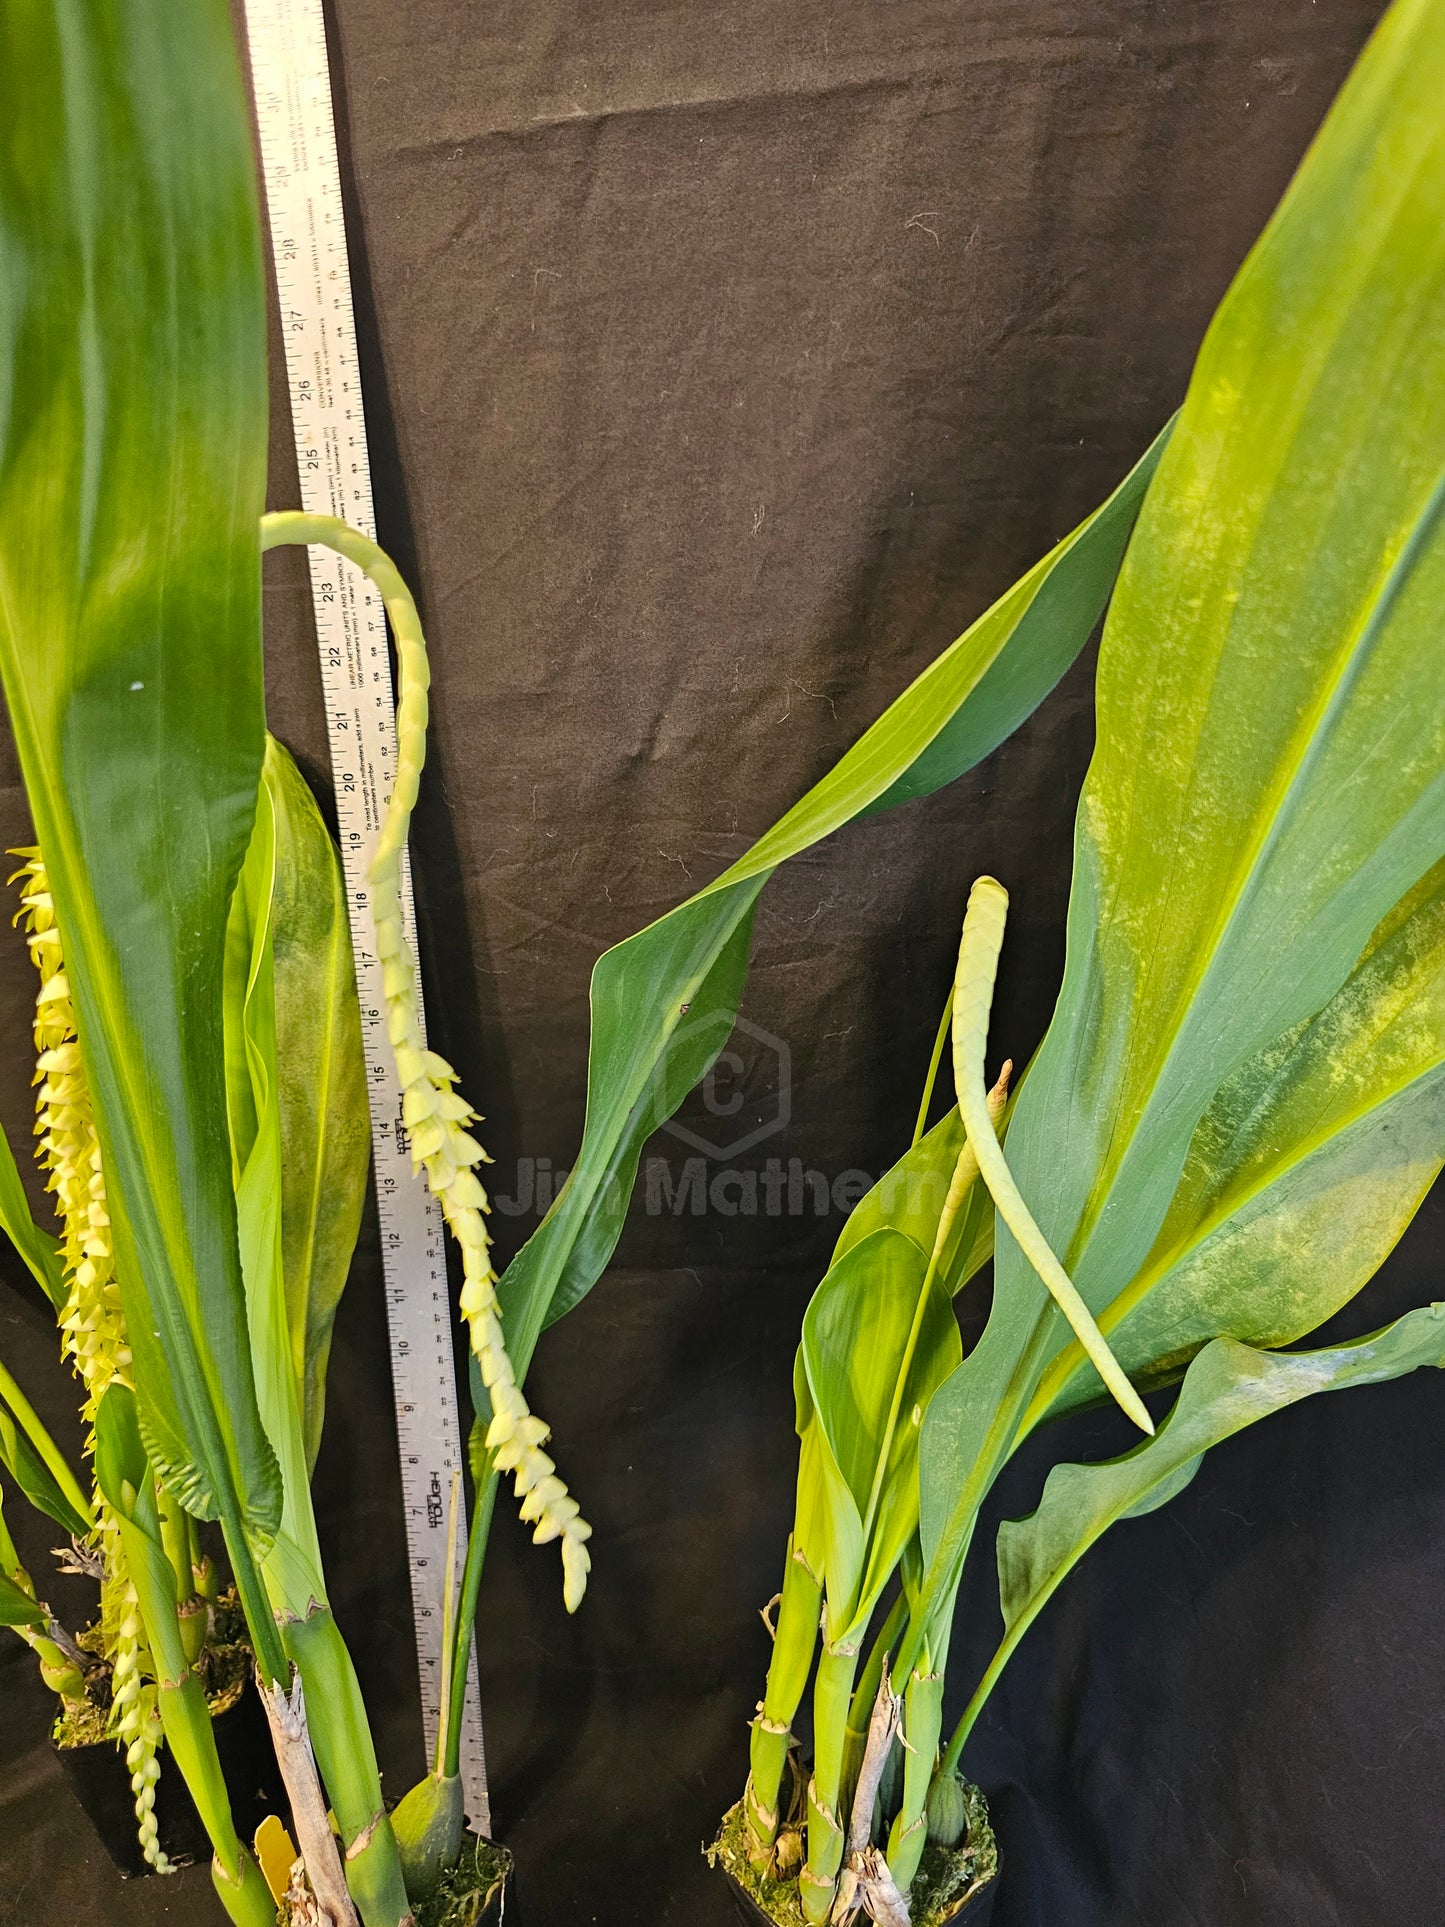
{"x":722,"y":363}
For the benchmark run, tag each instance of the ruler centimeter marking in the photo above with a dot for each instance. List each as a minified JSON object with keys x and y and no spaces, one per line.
{"x":292,"y":84}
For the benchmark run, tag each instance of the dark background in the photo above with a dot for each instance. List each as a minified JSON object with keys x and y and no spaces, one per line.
{"x":722,"y":363}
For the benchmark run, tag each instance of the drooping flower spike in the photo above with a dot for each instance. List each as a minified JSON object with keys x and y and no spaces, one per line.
{"x":978,"y":954}
{"x":93,"y":1334}
{"x":435,"y":1114}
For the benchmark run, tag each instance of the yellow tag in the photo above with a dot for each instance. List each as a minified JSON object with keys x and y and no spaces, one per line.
{"x":277,"y":1855}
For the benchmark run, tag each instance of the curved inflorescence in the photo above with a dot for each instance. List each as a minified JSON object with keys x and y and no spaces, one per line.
{"x":434,"y":1113}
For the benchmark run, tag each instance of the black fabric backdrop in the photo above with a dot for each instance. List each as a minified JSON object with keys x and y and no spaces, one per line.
{"x":722,"y":362}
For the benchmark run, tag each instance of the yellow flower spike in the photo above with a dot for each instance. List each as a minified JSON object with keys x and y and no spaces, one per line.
{"x":92,"y":1322}
{"x":432,"y":1111}
{"x":136,"y":1725}
{"x":69,"y":1149}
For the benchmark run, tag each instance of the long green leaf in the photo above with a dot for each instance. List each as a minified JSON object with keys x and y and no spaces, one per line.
{"x":35,"y":1479}
{"x":910,"y":1198}
{"x":1228,"y":1387}
{"x":42,"y":1447}
{"x":859,"y":1374}
{"x":291,"y":1564}
{"x":664,"y":1001}
{"x":1270,"y":773}
{"x":321,"y":1081}
{"x":132,"y":471}
{"x":1304,"y":1171}
{"x":17,"y":1608}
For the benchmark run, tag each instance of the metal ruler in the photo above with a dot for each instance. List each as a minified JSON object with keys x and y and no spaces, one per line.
{"x":292,"y":85}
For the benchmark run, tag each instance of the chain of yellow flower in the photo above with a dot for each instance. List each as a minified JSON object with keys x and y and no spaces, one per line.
{"x":137,"y":1726}
{"x":435,"y":1115}
{"x":93,"y":1324}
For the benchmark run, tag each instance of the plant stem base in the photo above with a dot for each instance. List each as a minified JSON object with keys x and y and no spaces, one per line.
{"x":479,"y":1891}
{"x":953,"y":1889}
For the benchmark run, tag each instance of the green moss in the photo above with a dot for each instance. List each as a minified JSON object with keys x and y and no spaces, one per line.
{"x":949,"y":1878}
{"x":82,"y":1722}
{"x":224,"y":1667}
{"x":465,"y":1890}
{"x":946,"y":1881}
{"x":777,"y":1898}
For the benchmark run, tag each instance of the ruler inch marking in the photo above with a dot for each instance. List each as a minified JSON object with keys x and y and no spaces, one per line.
{"x":292,"y":84}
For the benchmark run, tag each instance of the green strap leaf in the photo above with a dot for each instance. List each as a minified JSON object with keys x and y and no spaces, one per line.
{"x":321,"y":1081}
{"x":1303,"y":1172}
{"x":294,"y":1056}
{"x":17,"y":1608}
{"x":126,"y":1478}
{"x":40,"y":1249}
{"x":862,"y":1379}
{"x":35,"y":1479}
{"x":1228,"y":1387}
{"x":664,"y":1001}
{"x":53,"y":1486}
{"x":1270,"y":773}
{"x":132,"y":470}
{"x":251,"y":1011}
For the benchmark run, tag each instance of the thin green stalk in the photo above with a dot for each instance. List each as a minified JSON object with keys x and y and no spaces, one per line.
{"x":922,"y":1723}
{"x":266,"y":1640}
{"x":449,"y":1628}
{"x":795,"y":1635}
{"x":176,"y":1540}
{"x":341,"y":1739}
{"x":985,"y":1686}
{"x":26,"y":1417}
{"x":832,"y":1695}
{"x":945,"y":1025}
{"x":480,"y":1530}
{"x":191,"y":1738}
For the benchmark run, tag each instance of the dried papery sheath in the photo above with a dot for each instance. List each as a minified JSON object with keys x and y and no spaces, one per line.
{"x":434,"y":1113}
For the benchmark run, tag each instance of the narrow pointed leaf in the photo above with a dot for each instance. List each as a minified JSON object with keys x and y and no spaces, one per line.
{"x":292,"y":1563}
{"x":132,"y":469}
{"x":17,"y":1608}
{"x":1228,"y":1387}
{"x":321,"y":1081}
{"x":664,"y":1001}
{"x":910,"y":1198}
{"x":1270,"y":773}
{"x":35,"y":1479}
{"x":859,"y":1375}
